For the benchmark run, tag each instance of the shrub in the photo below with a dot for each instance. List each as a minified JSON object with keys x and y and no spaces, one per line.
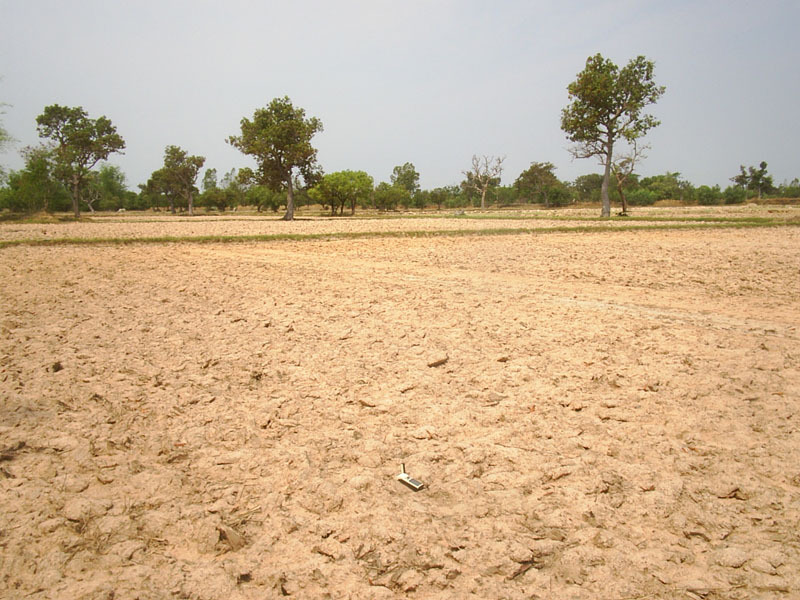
{"x":642,"y":197}
{"x":708,"y":196}
{"x":734,"y":194}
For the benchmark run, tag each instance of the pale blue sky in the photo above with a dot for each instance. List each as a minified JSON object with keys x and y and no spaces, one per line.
{"x":430,"y":82}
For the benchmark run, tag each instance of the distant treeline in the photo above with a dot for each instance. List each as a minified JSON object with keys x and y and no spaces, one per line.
{"x":35,"y":188}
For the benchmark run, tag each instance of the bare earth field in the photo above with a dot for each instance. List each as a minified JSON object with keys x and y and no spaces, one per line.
{"x":152,"y":225}
{"x":594,"y":415}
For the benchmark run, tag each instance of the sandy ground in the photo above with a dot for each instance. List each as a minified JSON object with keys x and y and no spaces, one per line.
{"x":138,"y":225}
{"x":609,"y":415}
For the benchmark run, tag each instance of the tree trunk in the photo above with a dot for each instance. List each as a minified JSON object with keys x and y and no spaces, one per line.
{"x":172,"y":205}
{"x":289,"y":216}
{"x":606,"y":210}
{"x":75,"y":205}
{"x":483,"y":198}
{"x":191,"y":203}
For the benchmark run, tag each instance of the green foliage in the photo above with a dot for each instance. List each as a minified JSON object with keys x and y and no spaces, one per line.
{"x":642,"y":197}
{"x":35,"y":187}
{"x":109,"y":188}
{"x":80,"y":143}
{"x":406,"y":176}
{"x":790,"y":190}
{"x":264,"y":198}
{"x":753,"y":179}
{"x":231,"y":191}
{"x":5,"y":141}
{"x":538,"y":183}
{"x":421,"y":199}
{"x":669,"y":186}
{"x":606,"y":106}
{"x":588,"y":187}
{"x":708,"y":196}
{"x":734,"y":195}
{"x":343,"y":188}
{"x":158,"y":192}
{"x":439,"y":196}
{"x":210,"y":180}
{"x":279,"y":138}
{"x":389,"y":197}
{"x":482,"y":178}
{"x":560,"y":195}
{"x":179,"y":173}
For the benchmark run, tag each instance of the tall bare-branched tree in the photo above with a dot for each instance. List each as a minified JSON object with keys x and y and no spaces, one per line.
{"x":485,"y":172}
{"x":623,"y":166}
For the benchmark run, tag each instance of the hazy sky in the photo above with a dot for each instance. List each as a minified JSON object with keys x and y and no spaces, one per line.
{"x":430,"y":82}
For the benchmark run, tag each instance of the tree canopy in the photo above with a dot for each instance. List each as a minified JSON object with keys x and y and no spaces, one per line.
{"x":5,"y":140}
{"x":80,"y":143}
{"x":406,"y":176}
{"x":538,"y":182}
{"x":754,"y":179}
{"x":180,"y":172}
{"x":343,"y":188}
{"x":485,"y":173}
{"x":279,"y":138}
{"x":606,"y":107}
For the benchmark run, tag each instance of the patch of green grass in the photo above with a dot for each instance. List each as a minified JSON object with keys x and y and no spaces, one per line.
{"x":39,"y":218}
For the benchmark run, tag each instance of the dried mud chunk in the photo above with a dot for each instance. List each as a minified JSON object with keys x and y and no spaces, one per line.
{"x":409,"y":580}
{"x":125,"y":550}
{"x":80,"y":509}
{"x":232,"y":538}
{"x":731,"y":491}
{"x":360,"y":482}
{"x":733,"y":558}
{"x":424,"y":433}
{"x":50,"y":525}
{"x":762,"y":566}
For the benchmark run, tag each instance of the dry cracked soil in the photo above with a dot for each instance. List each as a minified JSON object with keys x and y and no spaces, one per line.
{"x":594,"y":415}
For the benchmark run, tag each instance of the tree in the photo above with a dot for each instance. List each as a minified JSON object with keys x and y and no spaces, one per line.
{"x":623,"y":166}
{"x":790,"y":189}
{"x":438,"y":197}
{"x":537,"y":182}
{"x":279,"y":138}
{"x":708,"y":196}
{"x":754,"y":179}
{"x":343,"y":188}
{"x":485,"y":173}
{"x":35,"y":187}
{"x":80,"y":143}
{"x":669,"y":186}
{"x":588,"y":187}
{"x":606,"y":107}
{"x":406,"y":176}
{"x":210,"y":180}
{"x":262,"y":197}
{"x":5,"y":141}
{"x":388,"y":197}
{"x":160,"y":188}
{"x":108,"y":188}
{"x":179,"y":172}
